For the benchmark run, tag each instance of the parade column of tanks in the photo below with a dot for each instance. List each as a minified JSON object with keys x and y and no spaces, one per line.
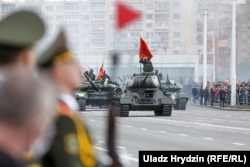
{"x":143,"y":93}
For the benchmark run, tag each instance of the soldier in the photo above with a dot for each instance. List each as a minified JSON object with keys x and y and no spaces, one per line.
{"x":91,"y":74}
{"x":72,"y":145}
{"x":26,"y":103}
{"x":18,"y":33}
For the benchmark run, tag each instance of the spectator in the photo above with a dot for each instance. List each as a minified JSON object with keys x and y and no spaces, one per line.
{"x":222,"y":93}
{"x":206,"y":94}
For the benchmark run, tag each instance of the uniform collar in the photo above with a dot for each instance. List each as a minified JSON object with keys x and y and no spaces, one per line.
{"x":69,"y":100}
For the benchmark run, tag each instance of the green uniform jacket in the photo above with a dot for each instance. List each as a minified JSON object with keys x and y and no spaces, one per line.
{"x":72,"y":145}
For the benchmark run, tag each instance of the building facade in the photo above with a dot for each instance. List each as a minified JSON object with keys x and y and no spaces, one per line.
{"x":168,"y":26}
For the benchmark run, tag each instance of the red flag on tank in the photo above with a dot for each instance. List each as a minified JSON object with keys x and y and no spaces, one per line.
{"x":101,"y":73}
{"x":144,"y":51}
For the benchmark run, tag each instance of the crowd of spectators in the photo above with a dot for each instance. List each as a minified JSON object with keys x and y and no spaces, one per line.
{"x":220,"y":92}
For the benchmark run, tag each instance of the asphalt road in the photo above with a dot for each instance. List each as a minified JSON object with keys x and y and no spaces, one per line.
{"x":197,"y":128}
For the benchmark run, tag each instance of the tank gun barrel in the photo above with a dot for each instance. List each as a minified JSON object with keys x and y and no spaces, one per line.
{"x":144,"y":80}
{"x":90,"y":81}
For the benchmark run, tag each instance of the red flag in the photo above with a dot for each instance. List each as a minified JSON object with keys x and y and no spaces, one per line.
{"x":144,"y":51}
{"x":101,"y":73}
{"x":125,"y":15}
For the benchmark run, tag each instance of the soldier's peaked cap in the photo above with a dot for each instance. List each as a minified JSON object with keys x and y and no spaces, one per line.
{"x":57,"y":52}
{"x":21,"y":29}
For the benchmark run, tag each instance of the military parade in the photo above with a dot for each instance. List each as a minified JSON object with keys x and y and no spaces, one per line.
{"x":142,"y":96}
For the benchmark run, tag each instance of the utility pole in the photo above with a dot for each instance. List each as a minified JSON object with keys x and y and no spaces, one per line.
{"x":213,"y":59}
{"x":205,"y":47}
{"x":233,"y":56}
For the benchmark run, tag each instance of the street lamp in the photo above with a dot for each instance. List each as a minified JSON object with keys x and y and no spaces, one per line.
{"x":205,"y":47}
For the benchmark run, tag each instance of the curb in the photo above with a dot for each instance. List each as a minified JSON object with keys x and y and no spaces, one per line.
{"x":218,"y":108}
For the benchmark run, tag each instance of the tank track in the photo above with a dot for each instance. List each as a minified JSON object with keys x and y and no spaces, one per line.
{"x":166,"y":110}
{"x":124,"y":110}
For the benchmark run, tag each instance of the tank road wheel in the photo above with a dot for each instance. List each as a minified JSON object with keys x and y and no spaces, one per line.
{"x":166,"y":110}
{"x":82,"y":104}
{"x":124,"y":110}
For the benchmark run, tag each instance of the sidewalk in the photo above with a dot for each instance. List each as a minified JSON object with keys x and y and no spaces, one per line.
{"x":227,"y":107}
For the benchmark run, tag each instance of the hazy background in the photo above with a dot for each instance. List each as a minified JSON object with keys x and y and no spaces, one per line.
{"x":173,"y":30}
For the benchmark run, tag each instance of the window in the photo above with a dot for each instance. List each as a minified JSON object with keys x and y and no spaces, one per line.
{"x":176,"y":24}
{"x":176,"y":6}
{"x":149,"y":34}
{"x":161,"y":16}
{"x":86,"y":17}
{"x":59,"y":18}
{"x":98,"y":16}
{"x":59,"y":8}
{"x":177,"y":34}
{"x":8,"y":7}
{"x":177,"y":15}
{"x":149,"y":16}
{"x":161,"y":5}
{"x":149,"y":6}
{"x":70,"y":7}
{"x":176,"y":52}
{"x":49,"y":18}
{"x":161,"y":24}
{"x":177,"y":43}
{"x":72,"y":17}
{"x":162,"y":34}
{"x":98,"y":25}
{"x":49,"y":8}
{"x":149,"y":25}
{"x":97,"y":6}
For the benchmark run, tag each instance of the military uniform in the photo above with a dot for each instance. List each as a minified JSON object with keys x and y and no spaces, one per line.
{"x":8,"y":161}
{"x":91,"y":75}
{"x":18,"y":31}
{"x":72,"y":145}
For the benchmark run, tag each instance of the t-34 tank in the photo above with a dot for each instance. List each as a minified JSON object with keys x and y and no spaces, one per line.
{"x":175,"y":90}
{"x":97,"y":93}
{"x":143,"y":93}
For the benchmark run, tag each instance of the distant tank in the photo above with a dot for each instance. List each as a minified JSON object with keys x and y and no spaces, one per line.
{"x":180,"y":98}
{"x":97,"y":93}
{"x":143,"y":93}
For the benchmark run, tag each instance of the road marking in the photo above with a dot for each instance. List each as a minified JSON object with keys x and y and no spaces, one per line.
{"x":126,"y":156}
{"x":92,"y":120}
{"x":128,"y":126}
{"x":144,"y":129}
{"x":218,"y":119}
{"x":161,"y":131}
{"x":228,"y":115}
{"x":239,"y":144}
{"x":200,"y":124}
{"x":207,"y":138}
{"x":100,"y":141}
{"x":182,"y":134}
{"x":237,"y":122}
